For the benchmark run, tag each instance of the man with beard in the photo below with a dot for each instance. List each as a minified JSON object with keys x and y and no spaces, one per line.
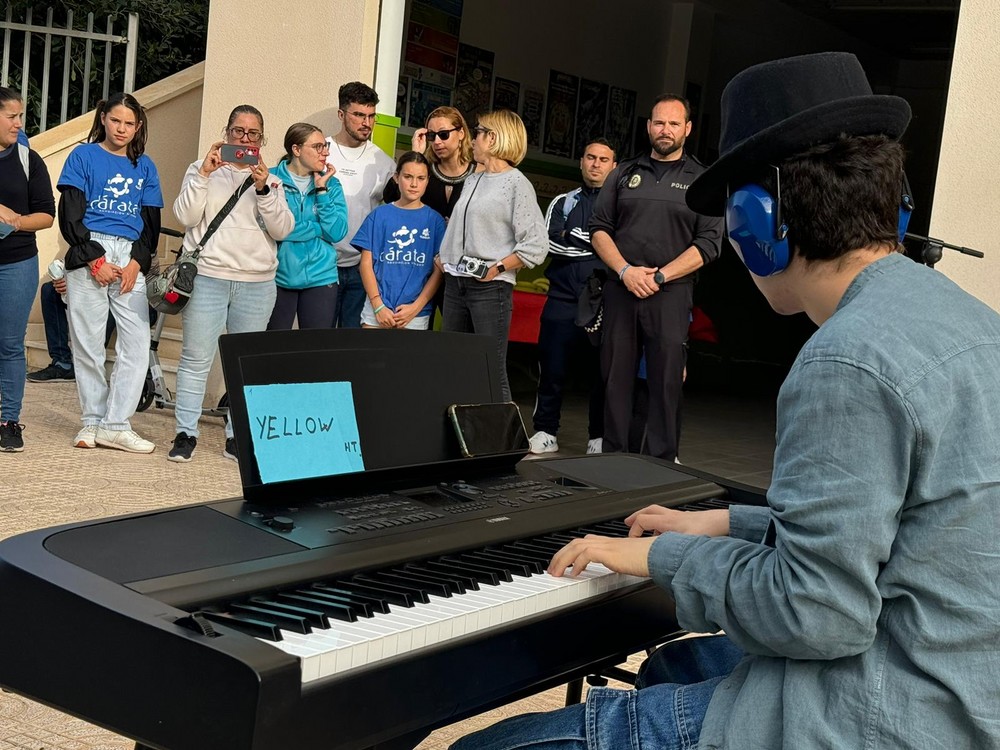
{"x":363,"y":170}
{"x":653,"y":243}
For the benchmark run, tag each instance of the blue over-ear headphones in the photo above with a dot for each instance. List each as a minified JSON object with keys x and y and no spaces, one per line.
{"x":760,"y":237}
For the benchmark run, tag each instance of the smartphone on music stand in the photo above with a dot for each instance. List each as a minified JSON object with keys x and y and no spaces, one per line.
{"x":488,"y":429}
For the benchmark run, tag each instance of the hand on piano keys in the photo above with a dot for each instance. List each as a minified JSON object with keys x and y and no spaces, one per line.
{"x":657,"y":519}
{"x":626,"y":556}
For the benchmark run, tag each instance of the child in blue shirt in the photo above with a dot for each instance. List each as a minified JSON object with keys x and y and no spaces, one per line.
{"x":398,"y":242}
{"x":109,"y":214}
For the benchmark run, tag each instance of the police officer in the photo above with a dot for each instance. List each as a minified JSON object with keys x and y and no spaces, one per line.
{"x":652,"y":243}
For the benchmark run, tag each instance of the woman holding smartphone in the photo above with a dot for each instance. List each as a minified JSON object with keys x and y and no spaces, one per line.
{"x":495,"y":229}
{"x":26,"y":206}
{"x":307,"y":258}
{"x":234,"y":290}
{"x":109,"y":215}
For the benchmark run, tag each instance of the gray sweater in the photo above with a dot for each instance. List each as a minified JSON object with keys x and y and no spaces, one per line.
{"x":496,"y":215}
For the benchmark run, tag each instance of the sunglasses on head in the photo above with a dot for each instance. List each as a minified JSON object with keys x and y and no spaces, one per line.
{"x":442,"y":134}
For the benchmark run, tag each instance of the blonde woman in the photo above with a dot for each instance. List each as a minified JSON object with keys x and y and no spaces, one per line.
{"x":496,"y":228}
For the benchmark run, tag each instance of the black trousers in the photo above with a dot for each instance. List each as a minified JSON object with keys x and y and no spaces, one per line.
{"x":657,"y":326}
{"x":561,"y":342}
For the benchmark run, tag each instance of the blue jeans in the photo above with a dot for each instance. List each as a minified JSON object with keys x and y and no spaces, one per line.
{"x":473,"y":306}
{"x":56,"y":326}
{"x":350,"y":299}
{"x":216,"y":305}
{"x":666,"y":712}
{"x":18,"y":282}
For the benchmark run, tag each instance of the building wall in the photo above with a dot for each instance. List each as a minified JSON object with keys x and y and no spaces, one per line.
{"x":967,"y":191}
{"x":287,"y":62}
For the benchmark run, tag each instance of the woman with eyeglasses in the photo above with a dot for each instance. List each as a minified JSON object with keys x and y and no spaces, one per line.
{"x":447,"y":144}
{"x":307,"y":258}
{"x":234,"y":290}
{"x":496,"y":228}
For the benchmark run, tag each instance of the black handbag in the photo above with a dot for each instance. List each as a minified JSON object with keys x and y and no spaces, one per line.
{"x":590,"y":305}
{"x":168,"y":291}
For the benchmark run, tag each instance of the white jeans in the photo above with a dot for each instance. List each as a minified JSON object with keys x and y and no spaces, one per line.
{"x":108,"y":406}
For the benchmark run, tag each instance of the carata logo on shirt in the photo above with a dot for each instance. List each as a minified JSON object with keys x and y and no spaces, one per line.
{"x":118,"y":186}
{"x":403,"y":237}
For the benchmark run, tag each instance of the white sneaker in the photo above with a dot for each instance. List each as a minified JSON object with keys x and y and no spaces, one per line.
{"x":594,"y":445}
{"x":542,"y":442}
{"x":123,"y":440}
{"x":85,"y":437}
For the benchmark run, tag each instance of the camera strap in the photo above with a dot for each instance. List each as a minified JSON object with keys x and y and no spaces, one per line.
{"x":220,"y":217}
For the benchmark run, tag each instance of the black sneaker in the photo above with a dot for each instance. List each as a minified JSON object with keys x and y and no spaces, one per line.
{"x":230,"y":450}
{"x":10,"y":437}
{"x":50,"y":373}
{"x":184,"y":446}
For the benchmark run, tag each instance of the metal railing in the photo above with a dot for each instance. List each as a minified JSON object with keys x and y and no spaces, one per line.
{"x":67,"y":34}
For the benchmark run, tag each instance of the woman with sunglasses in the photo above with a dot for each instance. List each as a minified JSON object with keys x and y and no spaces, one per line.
{"x":307,"y":258}
{"x":496,"y":229}
{"x":447,"y":144}
{"x":234,"y":290}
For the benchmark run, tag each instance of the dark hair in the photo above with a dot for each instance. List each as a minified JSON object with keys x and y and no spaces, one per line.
{"x":295,"y":136}
{"x":672,"y":98}
{"x":246,"y":109}
{"x":356,"y":92}
{"x":600,"y":141}
{"x":9,"y":95}
{"x":137,"y":145}
{"x":841,"y":196}
{"x":412,"y":157}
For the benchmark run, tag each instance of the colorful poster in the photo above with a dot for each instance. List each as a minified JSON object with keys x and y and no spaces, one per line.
{"x":592,"y":113}
{"x":473,"y":82}
{"x":402,"y":98}
{"x":621,"y":119}
{"x":506,"y":94}
{"x":532,"y":112}
{"x":431,"y":48}
{"x":424,"y":99}
{"x":560,"y":113}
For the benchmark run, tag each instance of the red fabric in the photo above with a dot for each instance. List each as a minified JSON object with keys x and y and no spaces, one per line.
{"x":702,"y":328}
{"x":526,"y":317}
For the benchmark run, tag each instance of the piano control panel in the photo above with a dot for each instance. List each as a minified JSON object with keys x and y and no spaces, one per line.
{"x":325,"y":523}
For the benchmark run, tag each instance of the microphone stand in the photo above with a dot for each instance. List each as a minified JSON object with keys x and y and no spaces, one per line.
{"x":933,"y":249}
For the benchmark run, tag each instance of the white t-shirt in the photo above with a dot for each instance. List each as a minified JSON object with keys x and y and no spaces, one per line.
{"x":363,"y":173}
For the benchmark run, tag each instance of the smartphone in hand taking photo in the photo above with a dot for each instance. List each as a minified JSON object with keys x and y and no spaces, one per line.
{"x":239,"y":154}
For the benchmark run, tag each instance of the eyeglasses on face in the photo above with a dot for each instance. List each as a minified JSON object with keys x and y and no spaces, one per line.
{"x":362,"y":116}
{"x":479,"y":130}
{"x":237,"y":133}
{"x":442,"y":134}
{"x":321,"y":148}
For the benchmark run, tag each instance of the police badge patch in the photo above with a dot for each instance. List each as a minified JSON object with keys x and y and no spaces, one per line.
{"x":634,"y":181}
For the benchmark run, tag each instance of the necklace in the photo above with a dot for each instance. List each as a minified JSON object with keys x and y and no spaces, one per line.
{"x":356,"y":158}
{"x":452,"y":180}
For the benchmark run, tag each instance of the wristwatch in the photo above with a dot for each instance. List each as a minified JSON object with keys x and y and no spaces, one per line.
{"x":659,"y":278}
{"x":500,"y":267}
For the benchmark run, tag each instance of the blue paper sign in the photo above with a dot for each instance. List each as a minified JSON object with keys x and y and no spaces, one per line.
{"x":303,"y":430}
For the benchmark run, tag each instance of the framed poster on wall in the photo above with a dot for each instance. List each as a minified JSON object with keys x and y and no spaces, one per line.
{"x":560,"y":113}
{"x":474,"y":82}
{"x":621,"y":118}
{"x":506,"y":94}
{"x":532,"y":112}
{"x":591,"y":114}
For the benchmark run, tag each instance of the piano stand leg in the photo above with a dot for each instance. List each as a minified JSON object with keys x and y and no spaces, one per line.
{"x":574,"y":691}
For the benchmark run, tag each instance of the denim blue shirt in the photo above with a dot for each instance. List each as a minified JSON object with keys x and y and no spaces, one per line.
{"x":873,"y":619}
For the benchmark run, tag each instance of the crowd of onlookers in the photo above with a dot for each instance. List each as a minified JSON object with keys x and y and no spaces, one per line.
{"x":336,"y":234}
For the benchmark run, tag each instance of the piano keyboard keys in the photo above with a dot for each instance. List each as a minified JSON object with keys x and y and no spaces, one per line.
{"x":336,"y":626}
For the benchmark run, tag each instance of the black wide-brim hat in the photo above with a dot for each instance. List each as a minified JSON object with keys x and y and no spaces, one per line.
{"x":777,"y":109}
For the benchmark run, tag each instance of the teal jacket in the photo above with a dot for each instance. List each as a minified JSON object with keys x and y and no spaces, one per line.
{"x":307,"y":257}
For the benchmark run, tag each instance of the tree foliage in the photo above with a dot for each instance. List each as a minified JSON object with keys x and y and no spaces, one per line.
{"x":172,"y":36}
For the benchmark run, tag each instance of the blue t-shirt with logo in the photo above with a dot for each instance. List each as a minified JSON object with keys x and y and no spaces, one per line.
{"x":116,"y":190}
{"x":403,"y":243}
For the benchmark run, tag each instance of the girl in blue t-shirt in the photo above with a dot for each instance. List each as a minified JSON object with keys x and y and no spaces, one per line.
{"x":398,"y":243}
{"x":109,"y":214}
